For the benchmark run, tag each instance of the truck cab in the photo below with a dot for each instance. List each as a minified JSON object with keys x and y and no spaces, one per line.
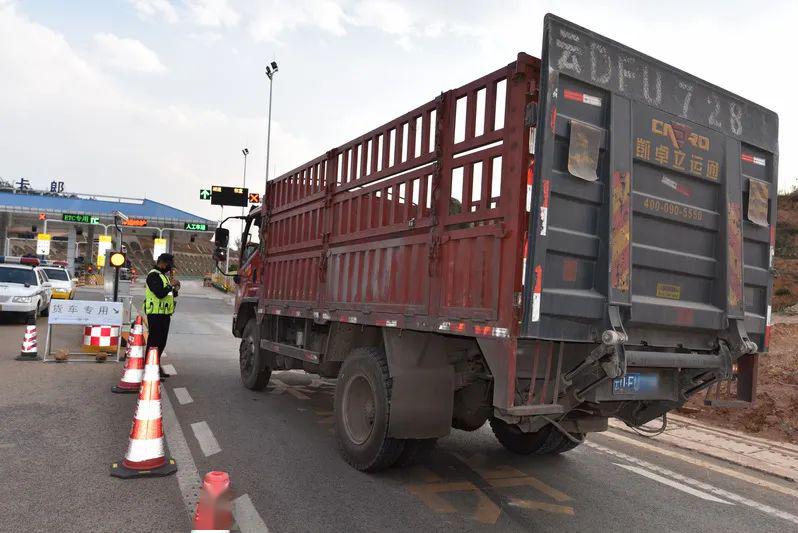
{"x":246,"y":279}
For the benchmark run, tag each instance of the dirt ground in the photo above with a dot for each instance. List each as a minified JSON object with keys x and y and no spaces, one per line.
{"x":775,"y":412}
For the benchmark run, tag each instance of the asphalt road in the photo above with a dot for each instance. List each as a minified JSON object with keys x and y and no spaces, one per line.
{"x":60,"y":428}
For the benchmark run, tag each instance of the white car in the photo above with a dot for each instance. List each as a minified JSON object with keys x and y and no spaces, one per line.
{"x":24,"y":289}
{"x":61,"y":280}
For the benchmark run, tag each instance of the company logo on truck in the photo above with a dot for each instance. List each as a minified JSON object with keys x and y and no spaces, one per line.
{"x":679,"y":134}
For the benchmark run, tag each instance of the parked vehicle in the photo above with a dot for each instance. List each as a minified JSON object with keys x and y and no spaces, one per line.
{"x":24,"y":287}
{"x":564,"y":240}
{"x":63,"y":284}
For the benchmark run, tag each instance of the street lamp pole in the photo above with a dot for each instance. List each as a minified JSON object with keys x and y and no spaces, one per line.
{"x":271,"y":70}
{"x":245,"y":151}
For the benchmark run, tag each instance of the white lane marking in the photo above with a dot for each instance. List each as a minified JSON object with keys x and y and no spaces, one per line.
{"x":183,"y":397}
{"x":701,"y":485}
{"x":169,"y":369}
{"x":247,"y":517}
{"x":704,"y":464}
{"x":188,"y":478}
{"x":674,"y":484}
{"x":205,"y":438}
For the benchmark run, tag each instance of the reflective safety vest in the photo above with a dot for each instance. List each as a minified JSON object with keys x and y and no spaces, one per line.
{"x":158,"y":306}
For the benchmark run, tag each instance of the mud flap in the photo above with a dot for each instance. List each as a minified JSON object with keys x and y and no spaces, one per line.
{"x":422,"y":393}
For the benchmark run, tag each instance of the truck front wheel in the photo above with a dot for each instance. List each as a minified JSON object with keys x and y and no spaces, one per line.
{"x":254,"y":372}
{"x":362,"y":408}
{"x":546,"y":441}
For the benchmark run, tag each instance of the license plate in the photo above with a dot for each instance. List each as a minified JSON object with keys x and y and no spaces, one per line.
{"x":626,"y":383}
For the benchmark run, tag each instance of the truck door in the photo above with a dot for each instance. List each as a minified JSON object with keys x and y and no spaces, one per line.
{"x":660,"y":192}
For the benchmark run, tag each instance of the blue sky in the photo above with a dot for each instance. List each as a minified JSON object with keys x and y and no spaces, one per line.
{"x":157,"y":97}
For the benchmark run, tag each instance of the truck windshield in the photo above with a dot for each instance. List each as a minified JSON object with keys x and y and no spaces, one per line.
{"x":58,"y":274}
{"x":17,"y":275}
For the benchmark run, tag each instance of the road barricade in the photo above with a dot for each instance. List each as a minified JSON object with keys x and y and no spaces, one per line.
{"x":103,"y":320}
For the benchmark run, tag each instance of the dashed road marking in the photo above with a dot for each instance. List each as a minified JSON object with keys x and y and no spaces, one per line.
{"x":673,"y":484}
{"x":247,"y":517}
{"x":169,"y":369}
{"x":208,"y":443}
{"x":704,"y":464}
{"x":772,"y":511}
{"x":182,"y":395}
{"x":188,"y":478}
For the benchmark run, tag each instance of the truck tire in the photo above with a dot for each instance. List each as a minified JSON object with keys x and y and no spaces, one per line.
{"x":254,"y":372}
{"x":416,"y":451}
{"x":546,"y":441}
{"x":558,"y":443}
{"x":362,"y":410}
{"x":511,"y":437}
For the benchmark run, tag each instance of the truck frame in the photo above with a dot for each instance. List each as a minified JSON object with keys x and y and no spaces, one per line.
{"x":564,"y":240}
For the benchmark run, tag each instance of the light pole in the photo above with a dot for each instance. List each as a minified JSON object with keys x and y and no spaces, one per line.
{"x":245,"y":151}
{"x":271,"y":70}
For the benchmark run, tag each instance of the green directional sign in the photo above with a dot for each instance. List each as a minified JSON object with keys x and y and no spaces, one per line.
{"x":205,"y":194}
{"x":196,"y":226}
{"x":85,"y":219}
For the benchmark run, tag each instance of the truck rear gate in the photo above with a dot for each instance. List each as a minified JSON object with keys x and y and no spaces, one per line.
{"x":592,"y":229}
{"x":655,"y":196}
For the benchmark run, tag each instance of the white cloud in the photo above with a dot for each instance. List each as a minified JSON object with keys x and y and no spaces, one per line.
{"x":156,"y":8}
{"x":127,"y":54}
{"x":385,"y":15}
{"x":213,"y":13}
{"x":98,"y":136}
{"x":278,"y":17}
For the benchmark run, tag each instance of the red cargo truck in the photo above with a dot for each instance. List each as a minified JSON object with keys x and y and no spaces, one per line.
{"x":566,"y":239}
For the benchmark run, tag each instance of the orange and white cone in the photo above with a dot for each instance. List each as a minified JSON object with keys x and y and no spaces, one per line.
{"x":146,"y":452}
{"x":29,"y":350}
{"x":214,"y":508}
{"x":133,"y":374}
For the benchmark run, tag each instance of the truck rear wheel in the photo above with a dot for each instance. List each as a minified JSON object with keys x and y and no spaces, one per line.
{"x":416,"y":451}
{"x":546,"y":441}
{"x":362,"y":410}
{"x":254,"y":372}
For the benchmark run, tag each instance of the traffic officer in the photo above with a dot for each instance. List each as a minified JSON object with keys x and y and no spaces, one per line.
{"x":159,"y":303}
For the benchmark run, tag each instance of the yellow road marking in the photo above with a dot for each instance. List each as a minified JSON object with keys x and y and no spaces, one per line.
{"x":704,"y":464}
{"x":531,"y":482}
{"x":487,"y":512}
{"x":542,"y":506}
{"x":296,"y":394}
{"x":425,"y":474}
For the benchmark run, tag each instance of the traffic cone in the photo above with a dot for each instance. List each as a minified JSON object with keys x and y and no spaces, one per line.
{"x":214,"y":508}
{"x":29,"y":350}
{"x":146,"y":453}
{"x":130,"y":381}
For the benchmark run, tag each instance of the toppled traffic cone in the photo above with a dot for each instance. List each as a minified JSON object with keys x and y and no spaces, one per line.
{"x":29,"y":350}
{"x":146,"y":453}
{"x":130,"y":381}
{"x":214,"y":509}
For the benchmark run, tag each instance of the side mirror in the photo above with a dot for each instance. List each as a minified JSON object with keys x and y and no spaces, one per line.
{"x":220,"y":254}
{"x":237,"y":279}
{"x":221,"y":237}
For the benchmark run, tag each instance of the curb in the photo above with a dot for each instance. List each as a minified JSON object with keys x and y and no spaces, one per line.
{"x":756,"y":454}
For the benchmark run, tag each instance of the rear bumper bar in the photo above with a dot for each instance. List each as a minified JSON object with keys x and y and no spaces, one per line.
{"x":672,"y":360}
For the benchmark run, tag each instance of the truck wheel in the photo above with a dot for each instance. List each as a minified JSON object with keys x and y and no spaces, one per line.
{"x":416,"y":451}
{"x":559,"y":443}
{"x":515,"y":440}
{"x":254,"y":372}
{"x":362,"y":408}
